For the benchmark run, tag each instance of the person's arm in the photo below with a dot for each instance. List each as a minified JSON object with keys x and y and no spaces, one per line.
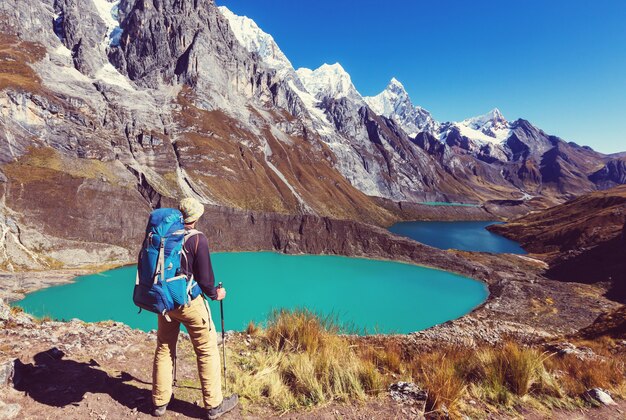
{"x":202,"y":268}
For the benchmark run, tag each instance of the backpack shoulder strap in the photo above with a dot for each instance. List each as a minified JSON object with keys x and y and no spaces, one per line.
{"x":189,"y":233}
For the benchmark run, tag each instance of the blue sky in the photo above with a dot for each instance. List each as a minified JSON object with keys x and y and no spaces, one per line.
{"x":559,"y":64}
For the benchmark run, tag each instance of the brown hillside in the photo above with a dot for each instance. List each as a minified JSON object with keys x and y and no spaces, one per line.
{"x":583,"y":240}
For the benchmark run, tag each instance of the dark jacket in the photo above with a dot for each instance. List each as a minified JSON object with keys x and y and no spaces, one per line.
{"x":198,"y":263}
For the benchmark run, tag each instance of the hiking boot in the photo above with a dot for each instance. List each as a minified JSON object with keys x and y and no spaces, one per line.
{"x":159,"y":411}
{"x":227,"y":404}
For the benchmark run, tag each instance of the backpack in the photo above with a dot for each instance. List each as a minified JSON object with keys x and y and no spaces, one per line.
{"x":160,"y":285}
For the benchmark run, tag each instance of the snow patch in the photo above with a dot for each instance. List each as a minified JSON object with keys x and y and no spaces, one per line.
{"x":110,"y":75}
{"x":267,"y":153}
{"x":62,"y":50}
{"x":329,"y":81}
{"x":498,"y":136}
{"x":312,"y":105}
{"x":108,"y":12}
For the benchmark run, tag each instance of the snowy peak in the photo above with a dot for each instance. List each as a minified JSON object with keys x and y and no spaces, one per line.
{"x":395,"y":86}
{"x":255,"y":40}
{"x":389,"y":100}
{"x":394,"y":102}
{"x":491,"y":127}
{"x":329,"y":80}
{"x":491,"y":120}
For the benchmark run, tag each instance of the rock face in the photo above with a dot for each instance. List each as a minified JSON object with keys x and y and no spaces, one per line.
{"x":109,"y":109}
{"x":612,"y":174}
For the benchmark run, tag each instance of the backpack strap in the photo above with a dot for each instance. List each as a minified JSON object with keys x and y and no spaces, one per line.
{"x":160,"y":268}
{"x":189,"y":233}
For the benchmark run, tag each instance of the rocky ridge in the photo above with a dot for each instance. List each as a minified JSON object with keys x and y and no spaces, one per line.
{"x":112,"y":106}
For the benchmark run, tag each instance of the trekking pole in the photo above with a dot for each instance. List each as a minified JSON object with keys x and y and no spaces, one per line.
{"x":219,"y":286}
{"x":175,"y":361}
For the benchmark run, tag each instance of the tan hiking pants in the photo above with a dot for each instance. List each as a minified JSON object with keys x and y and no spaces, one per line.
{"x":196,"y":317}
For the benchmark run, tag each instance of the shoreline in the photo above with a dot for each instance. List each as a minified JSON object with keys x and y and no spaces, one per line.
{"x":69,"y":276}
{"x":517,"y":288}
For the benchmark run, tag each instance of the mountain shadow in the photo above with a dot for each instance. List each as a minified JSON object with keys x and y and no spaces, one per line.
{"x":604,"y":263}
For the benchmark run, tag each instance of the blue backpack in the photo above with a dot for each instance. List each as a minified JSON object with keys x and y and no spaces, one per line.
{"x":160,"y":285}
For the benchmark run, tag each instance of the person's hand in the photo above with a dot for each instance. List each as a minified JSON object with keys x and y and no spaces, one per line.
{"x":221,"y":293}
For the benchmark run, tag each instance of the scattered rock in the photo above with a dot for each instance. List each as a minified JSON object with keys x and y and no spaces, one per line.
{"x":9,"y":411}
{"x":562,"y":349}
{"x":409,"y":393}
{"x":7,"y":372}
{"x":598,"y":395}
{"x":5,"y":311}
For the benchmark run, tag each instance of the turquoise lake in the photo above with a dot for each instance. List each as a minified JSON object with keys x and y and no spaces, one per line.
{"x":367,"y":295}
{"x":466,"y":236}
{"x":445,"y":203}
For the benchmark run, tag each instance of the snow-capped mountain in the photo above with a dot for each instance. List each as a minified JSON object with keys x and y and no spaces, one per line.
{"x":123,"y":105}
{"x":255,"y":40}
{"x":394,"y":102}
{"x":491,"y":127}
{"x":384,"y":157}
{"x":329,"y":81}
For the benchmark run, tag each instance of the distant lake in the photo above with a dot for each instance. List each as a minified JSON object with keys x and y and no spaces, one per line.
{"x":445,"y":203}
{"x":368,"y":295}
{"x":466,"y":236}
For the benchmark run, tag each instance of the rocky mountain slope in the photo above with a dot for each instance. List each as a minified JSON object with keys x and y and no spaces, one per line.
{"x":583,"y":240}
{"x":109,"y":107}
{"x":496,"y":157}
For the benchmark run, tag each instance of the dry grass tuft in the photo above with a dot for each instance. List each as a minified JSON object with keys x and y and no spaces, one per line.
{"x":253,"y":329}
{"x":297,"y":331}
{"x":388,"y":357}
{"x":578,"y":375}
{"x":299,"y":361}
{"x":16,"y":310}
{"x":445,"y":386}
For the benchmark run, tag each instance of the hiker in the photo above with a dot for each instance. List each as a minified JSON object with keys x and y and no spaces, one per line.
{"x":196,"y":317}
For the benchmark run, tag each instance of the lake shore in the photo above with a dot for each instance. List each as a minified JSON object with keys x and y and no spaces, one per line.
{"x":522,"y":302}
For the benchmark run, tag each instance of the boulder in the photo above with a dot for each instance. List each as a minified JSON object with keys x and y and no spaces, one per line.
{"x":410,"y":394}
{"x":598,"y":395}
{"x":5,"y":311}
{"x":7,"y":373}
{"x":564,"y":348}
{"x":9,"y":411}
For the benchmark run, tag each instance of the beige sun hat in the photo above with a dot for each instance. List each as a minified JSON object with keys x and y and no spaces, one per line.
{"x":191,"y":209}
